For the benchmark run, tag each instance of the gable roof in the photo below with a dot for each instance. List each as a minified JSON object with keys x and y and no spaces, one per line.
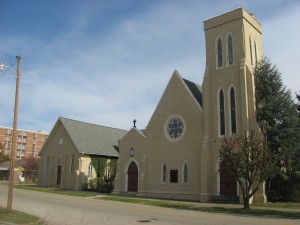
{"x":93,"y":139}
{"x":195,"y":89}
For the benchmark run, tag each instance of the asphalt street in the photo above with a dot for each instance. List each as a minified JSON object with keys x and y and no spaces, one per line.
{"x":64,"y":210}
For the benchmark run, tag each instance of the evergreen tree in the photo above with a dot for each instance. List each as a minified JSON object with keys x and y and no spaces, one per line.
{"x":277,"y":116}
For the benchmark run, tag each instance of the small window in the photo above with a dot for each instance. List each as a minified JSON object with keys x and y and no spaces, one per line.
{"x":222,"y":112}
{"x":185,"y":173}
{"x":229,"y":50}
{"x":47,"y":164}
{"x":219,"y":53}
{"x":107,"y":172}
{"x":174,"y":176}
{"x":90,"y":171}
{"x":72,"y":164}
{"x":164,"y":173}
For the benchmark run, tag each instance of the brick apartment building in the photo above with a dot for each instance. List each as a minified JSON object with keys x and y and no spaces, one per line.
{"x":29,"y":142}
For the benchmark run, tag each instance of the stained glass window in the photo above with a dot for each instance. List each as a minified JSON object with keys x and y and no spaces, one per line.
{"x":219,"y":53}
{"x":230,"y":50}
{"x":175,"y":128}
{"x":232,"y":110}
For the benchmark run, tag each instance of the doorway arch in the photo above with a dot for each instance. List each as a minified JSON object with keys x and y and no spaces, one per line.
{"x":132,"y":177}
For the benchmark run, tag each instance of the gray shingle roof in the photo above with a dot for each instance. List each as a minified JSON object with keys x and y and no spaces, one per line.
{"x":195,"y":89}
{"x":93,"y":139}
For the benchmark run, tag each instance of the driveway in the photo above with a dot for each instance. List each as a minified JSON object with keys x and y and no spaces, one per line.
{"x":63,"y":210}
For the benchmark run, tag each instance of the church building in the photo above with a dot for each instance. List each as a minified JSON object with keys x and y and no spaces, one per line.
{"x":177,"y":155}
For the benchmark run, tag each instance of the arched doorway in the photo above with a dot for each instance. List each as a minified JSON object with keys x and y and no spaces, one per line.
{"x":228,"y":184}
{"x":132,"y":175}
{"x":58,"y":176}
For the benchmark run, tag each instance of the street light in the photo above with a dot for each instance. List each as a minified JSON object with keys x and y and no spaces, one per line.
{"x":15,"y":133}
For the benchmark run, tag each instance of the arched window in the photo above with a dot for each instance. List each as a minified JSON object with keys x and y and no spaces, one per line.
{"x":255,"y":52}
{"x":164,"y":173}
{"x":229,"y":50}
{"x":185,"y":173}
{"x":219,"y":53}
{"x":222,"y":112}
{"x":73,"y":164}
{"x":47,"y":165}
{"x":251,"y":53}
{"x":232,"y":111}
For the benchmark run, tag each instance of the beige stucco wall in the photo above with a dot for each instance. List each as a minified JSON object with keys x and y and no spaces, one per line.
{"x":60,"y":148}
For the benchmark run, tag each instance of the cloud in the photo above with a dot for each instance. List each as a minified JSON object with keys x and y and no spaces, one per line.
{"x":280,"y":39}
{"x":109,"y":64}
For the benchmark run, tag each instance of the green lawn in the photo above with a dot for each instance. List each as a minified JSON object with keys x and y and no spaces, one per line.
{"x":195,"y":206}
{"x":56,"y":191}
{"x":19,"y":217}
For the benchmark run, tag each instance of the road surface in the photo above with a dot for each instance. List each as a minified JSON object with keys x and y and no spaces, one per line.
{"x":67,"y":210}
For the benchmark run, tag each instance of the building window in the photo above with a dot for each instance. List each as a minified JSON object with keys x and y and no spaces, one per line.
{"x":73,"y":164}
{"x":47,"y":164}
{"x":185,"y":173}
{"x":90,"y":172}
{"x":232,"y":111}
{"x":251,"y":53}
{"x":219,"y":53}
{"x":174,"y":176}
{"x":164,"y":173}
{"x":222,"y":112}
{"x":229,"y":50}
{"x":107,"y":172}
{"x":255,"y":52}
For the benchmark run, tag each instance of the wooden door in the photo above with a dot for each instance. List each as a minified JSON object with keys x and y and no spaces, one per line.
{"x":132,"y":182}
{"x":228,"y":184}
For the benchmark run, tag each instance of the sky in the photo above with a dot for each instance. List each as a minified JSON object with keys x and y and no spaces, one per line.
{"x":108,"y":62}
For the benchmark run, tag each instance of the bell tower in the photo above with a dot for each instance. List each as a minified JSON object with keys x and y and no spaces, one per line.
{"x":233,"y":46}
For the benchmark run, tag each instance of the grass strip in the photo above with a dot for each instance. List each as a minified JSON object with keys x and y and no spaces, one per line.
{"x":56,"y":191}
{"x":291,"y":205}
{"x":141,"y":201}
{"x":252,"y":212}
{"x":194,"y":206}
{"x":19,"y":217}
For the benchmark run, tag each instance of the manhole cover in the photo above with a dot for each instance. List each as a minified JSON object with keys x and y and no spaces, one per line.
{"x":143,"y":221}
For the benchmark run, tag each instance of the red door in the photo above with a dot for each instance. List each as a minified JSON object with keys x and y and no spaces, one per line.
{"x":132,"y":183}
{"x":228,"y":185}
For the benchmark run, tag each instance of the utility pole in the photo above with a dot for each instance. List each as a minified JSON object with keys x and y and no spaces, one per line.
{"x":14,"y":139}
